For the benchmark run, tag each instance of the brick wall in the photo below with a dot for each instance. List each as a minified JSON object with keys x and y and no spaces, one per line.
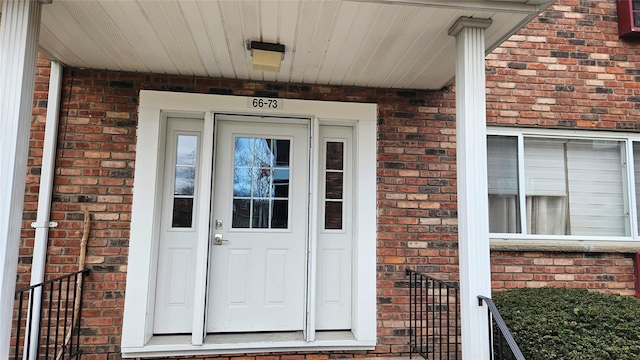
{"x":611,"y":273}
{"x":567,"y":69}
{"x":95,"y":162}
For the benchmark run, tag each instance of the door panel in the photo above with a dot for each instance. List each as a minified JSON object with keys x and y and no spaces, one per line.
{"x":178,"y":236}
{"x":260,"y":211}
{"x":333,"y":297}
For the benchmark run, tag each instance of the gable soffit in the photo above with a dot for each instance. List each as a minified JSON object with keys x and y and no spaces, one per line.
{"x":373,"y":43}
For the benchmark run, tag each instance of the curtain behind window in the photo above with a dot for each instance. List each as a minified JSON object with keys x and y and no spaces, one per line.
{"x":572,"y":187}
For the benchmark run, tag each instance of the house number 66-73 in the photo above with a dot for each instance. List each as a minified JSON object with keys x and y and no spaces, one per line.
{"x":263,"y":103}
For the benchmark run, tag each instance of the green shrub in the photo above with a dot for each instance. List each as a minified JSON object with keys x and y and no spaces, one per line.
{"x":568,"y":324}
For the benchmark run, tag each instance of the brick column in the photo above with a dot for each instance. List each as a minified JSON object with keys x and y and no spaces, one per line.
{"x":473,"y":219}
{"x":18,"y":53}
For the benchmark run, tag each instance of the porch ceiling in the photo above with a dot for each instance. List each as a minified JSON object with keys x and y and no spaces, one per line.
{"x":379,"y":43}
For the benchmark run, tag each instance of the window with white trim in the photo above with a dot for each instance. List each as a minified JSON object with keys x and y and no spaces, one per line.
{"x":563,"y":185}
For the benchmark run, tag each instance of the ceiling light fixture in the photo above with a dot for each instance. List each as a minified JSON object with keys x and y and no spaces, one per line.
{"x":266,"y":56}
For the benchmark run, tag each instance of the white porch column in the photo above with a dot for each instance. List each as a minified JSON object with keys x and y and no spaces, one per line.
{"x":19,"y":30}
{"x":473,"y":220}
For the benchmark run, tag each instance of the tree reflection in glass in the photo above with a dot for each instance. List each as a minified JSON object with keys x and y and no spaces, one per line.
{"x":261,"y":183}
{"x":184,"y":184}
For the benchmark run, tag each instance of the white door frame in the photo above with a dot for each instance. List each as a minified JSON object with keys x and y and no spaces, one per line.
{"x":156,"y":105}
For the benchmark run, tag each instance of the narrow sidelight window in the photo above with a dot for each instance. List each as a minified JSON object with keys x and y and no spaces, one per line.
{"x":334,"y":185}
{"x":184,"y":181}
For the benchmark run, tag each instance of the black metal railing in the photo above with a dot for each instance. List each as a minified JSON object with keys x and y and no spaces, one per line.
{"x":502,"y":346}
{"x":58,"y":334}
{"x":434,"y":313}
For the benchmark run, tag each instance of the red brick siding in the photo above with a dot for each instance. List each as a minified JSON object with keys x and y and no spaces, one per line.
{"x":611,"y":273}
{"x":567,"y":69}
{"x":528,"y":84}
{"x":95,"y":161}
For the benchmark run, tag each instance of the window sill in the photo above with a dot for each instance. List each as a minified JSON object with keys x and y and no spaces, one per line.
{"x":506,"y":244}
{"x":180,"y":345}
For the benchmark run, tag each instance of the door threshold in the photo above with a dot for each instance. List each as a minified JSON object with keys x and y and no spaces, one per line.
{"x":254,"y":337}
{"x":237,"y":343}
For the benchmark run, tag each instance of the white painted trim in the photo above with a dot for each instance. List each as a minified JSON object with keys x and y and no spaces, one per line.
{"x":19,"y":31}
{"x":633,"y":217}
{"x":522,"y":186}
{"x":473,"y":225}
{"x":563,"y":134}
{"x":138,"y":309}
{"x":483,"y":5}
{"x":564,"y":242}
{"x":201,"y":103}
{"x":522,"y":237}
{"x":579,"y":245}
{"x":44,"y":197}
{"x":314,"y":205}
{"x":246,"y":348}
{"x":364,"y":234}
{"x":137,"y":327}
{"x":203,"y":213}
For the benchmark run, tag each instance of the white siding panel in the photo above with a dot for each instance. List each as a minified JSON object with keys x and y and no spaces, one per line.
{"x":309,"y":14}
{"x":150,"y":43}
{"x":58,"y":49}
{"x":132,"y":36}
{"x":360,"y":24}
{"x":376,"y":44}
{"x":419,"y":35}
{"x":390,"y":45}
{"x":171,"y":26}
{"x":371,"y":42}
{"x":214,"y":25}
{"x":347,"y":13}
{"x":196,"y":20}
{"x":98,"y":24}
{"x":437,"y":58}
{"x":287,"y":30}
{"x":67,"y":29}
{"x":232,"y":23}
{"x":250,"y":21}
{"x":322,"y":35}
{"x":269,"y":23}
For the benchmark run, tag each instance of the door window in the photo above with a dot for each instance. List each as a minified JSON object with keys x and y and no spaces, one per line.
{"x":185,"y":177}
{"x":261,"y":183}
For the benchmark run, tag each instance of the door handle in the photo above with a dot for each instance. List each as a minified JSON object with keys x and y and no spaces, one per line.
{"x":217,"y":239}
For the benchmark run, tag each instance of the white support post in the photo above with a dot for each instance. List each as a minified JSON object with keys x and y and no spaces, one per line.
{"x":19,"y":30}
{"x":45,"y":191}
{"x":473,"y":220}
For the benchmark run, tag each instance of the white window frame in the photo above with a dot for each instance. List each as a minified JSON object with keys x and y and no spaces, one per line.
{"x":581,"y":243}
{"x":154,"y":108}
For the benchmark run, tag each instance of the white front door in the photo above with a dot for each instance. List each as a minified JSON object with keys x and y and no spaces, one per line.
{"x":260,"y":214}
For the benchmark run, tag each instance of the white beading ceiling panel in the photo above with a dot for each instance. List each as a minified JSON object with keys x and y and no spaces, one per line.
{"x":382,"y":43}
